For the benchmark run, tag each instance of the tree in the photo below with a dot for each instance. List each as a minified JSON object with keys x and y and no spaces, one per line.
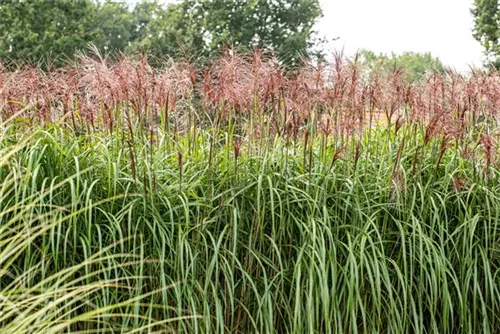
{"x":114,"y":26}
{"x":31,"y":30}
{"x":202,"y":27}
{"x":163,"y":30}
{"x":486,"y":15}
{"x":285,"y":26}
{"x":414,"y":64}
{"x":34,"y":30}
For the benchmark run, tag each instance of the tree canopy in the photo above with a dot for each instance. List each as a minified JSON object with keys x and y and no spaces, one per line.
{"x":285,"y":26}
{"x":414,"y":64}
{"x":486,"y":15}
{"x":32,"y":30}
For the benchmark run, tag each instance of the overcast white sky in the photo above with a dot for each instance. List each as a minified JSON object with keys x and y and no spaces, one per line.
{"x":442,"y":27}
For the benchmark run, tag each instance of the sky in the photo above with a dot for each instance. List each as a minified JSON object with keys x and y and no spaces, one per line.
{"x":441,"y":27}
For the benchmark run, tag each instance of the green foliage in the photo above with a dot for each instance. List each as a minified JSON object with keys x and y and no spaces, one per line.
{"x":164,"y":30}
{"x":132,"y":205}
{"x":114,"y":26}
{"x":33,"y":30}
{"x":487,"y":29}
{"x":275,"y":241}
{"x":284,"y":26}
{"x":414,"y":64}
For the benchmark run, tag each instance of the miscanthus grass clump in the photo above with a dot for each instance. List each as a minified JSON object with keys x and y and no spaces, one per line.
{"x":237,"y":197}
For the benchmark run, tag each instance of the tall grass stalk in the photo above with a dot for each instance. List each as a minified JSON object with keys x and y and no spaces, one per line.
{"x":252,"y":201}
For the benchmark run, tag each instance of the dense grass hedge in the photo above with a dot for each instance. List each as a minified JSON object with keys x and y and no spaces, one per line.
{"x":205,"y":233}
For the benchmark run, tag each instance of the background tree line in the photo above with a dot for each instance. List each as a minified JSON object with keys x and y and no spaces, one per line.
{"x":31,"y":30}
{"x":48,"y":32}
{"x":486,"y":15}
